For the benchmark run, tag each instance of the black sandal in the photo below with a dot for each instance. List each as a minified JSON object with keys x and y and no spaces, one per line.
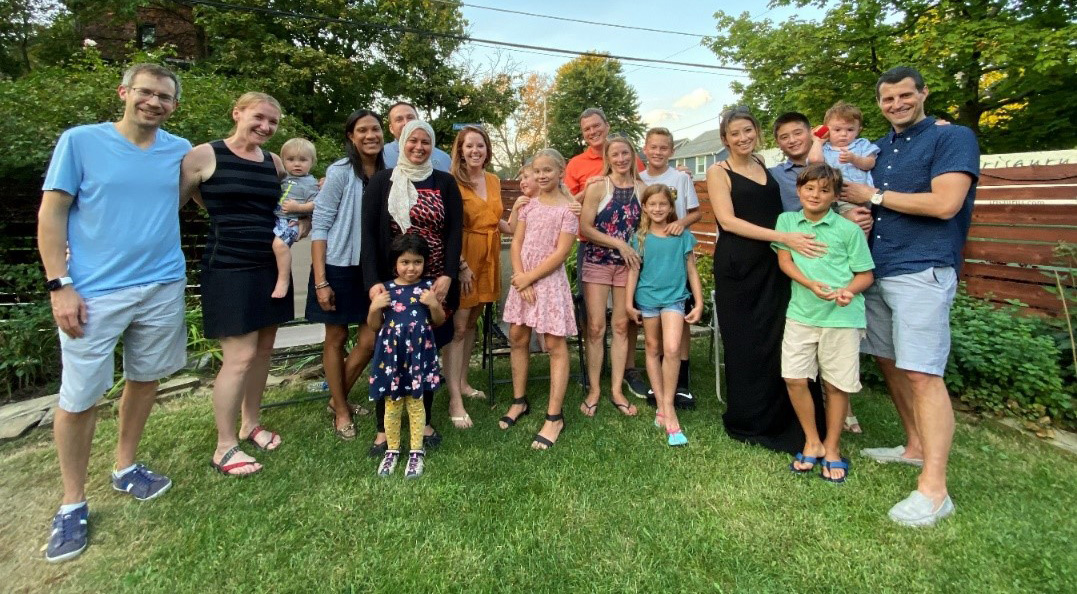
{"x":539,"y":439}
{"x":509,"y":421}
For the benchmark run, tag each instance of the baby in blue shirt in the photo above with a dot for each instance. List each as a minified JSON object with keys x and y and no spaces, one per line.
{"x":842,"y":147}
{"x":298,"y":189}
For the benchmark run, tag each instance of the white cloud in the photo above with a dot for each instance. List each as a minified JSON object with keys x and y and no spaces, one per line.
{"x":694,"y":100}
{"x":657,"y":116}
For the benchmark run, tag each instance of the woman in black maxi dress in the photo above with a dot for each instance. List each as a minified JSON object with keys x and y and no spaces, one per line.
{"x":751,"y":292}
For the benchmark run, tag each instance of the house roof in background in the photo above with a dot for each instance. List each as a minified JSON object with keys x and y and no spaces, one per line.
{"x":707,"y":143}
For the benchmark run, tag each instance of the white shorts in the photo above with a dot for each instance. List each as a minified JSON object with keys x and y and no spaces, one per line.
{"x":835,"y":352}
{"x":150,"y":318}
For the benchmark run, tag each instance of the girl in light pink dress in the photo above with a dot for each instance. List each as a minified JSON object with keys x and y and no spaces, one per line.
{"x":540,"y":298}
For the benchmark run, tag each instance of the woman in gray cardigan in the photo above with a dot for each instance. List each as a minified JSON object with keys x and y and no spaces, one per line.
{"x":336,"y":296}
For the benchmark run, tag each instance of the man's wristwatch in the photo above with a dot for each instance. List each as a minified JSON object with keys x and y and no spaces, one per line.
{"x":58,"y":283}
{"x":877,"y":198}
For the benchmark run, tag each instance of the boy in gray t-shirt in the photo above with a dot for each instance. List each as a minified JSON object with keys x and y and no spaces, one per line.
{"x":298,"y":189}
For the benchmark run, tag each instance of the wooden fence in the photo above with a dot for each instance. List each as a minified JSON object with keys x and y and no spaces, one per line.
{"x":1020,"y":215}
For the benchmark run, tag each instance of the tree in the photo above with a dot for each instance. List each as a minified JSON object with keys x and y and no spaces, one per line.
{"x":523,"y":132}
{"x":34,"y":119}
{"x":24,"y":26}
{"x":323,"y":69}
{"x":1004,"y":69}
{"x":591,"y":81}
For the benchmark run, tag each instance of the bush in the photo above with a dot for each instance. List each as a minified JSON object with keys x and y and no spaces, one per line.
{"x":1004,"y":362}
{"x":29,"y":344}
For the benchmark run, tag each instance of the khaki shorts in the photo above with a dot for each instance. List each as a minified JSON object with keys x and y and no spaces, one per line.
{"x":809,"y":350}
{"x":150,"y":318}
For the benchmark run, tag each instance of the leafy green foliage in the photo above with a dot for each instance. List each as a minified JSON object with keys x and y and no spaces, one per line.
{"x":29,"y":345}
{"x":1004,"y":69}
{"x":323,"y":71}
{"x":590,"y":81}
{"x":34,"y":119}
{"x":1004,"y":362}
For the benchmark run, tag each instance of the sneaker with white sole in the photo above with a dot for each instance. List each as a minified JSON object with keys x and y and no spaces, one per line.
{"x":69,"y":536}
{"x":388,"y":462}
{"x":415,"y":465}
{"x":141,"y":483}
{"x":887,"y":455}
{"x":636,"y":383}
{"x":918,"y":510}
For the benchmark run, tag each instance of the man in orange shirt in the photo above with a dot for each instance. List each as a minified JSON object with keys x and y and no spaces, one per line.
{"x":579,"y":171}
{"x":587,"y":165}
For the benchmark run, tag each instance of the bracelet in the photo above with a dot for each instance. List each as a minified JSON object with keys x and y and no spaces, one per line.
{"x":321,"y":285}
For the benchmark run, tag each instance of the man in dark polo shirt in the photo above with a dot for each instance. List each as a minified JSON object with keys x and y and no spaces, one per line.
{"x":926,"y":177}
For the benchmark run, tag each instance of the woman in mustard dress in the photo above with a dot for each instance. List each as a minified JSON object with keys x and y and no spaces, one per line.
{"x":480,"y":263}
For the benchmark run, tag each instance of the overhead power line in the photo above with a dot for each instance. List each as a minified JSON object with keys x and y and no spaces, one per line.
{"x":566,"y":19}
{"x":428,"y":33}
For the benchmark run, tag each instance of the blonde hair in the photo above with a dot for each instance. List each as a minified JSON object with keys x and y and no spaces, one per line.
{"x":658,"y":131}
{"x":250,"y":99}
{"x":300,"y":146}
{"x":845,"y":111}
{"x":459,"y":167}
{"x":645,"y":221}
{"x":558,"y":160}
{"x":607,"y":166}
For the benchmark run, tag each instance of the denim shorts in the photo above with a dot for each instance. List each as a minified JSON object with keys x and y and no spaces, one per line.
{"x":150,"y":318}
{"x":289,"y":234}
{"x":654,"y":312}
{"x":909,"y":319}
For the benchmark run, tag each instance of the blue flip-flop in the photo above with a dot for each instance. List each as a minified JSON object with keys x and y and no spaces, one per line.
{"x":813,"y":460}
{"x":842,"y":464}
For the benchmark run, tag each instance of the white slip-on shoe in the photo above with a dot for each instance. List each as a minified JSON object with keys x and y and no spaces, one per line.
{"x":887,"y":455}
{"x":918,"y":510}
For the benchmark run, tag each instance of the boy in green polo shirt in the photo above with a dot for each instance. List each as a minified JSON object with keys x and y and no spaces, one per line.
{"x":825,"y":319}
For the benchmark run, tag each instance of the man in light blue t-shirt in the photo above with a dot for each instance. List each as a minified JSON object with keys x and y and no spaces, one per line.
{"x":400,"y":113}
{"x":108,"y":234}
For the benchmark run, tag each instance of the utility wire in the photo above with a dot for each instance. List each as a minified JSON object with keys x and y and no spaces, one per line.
{"x":558,"y":18}
{"x":427,"y":33}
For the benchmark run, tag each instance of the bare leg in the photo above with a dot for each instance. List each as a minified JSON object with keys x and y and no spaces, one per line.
{"x":469,"y":347}
{"x":455,"y":366}
{"x":595,"y":296}
{"x":283,"y":255}
{"x":254,"y":385}
{"x":238,"y":357}
{"x":520,"y":343}
{"x":935,"y":420}
{"x":558,"y":350}
{"x":135,"y":406}
{"x":902,"y":394}
{"x":805,"y":410}
{"x":652,"y":340}
{"x":672,"y":327}
{"x":73,"y":434}
{"x":336,"y":337}
{"x":837,"y":403}
{"x":618,"y":353}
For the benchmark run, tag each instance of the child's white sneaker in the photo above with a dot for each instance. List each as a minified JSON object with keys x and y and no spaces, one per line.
{"x":388,"y":463}
{"x":414,"y":468}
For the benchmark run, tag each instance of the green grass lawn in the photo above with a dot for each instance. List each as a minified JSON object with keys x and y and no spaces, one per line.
{"x":610,"y":509}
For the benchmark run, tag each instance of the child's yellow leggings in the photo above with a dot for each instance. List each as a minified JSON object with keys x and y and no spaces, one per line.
{"x":394,"y":409}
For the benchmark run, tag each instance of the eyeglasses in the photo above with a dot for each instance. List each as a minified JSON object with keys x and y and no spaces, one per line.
{"x":145,"y":94}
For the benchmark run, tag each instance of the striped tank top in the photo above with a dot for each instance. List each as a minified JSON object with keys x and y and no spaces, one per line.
{"x":240,"y":197}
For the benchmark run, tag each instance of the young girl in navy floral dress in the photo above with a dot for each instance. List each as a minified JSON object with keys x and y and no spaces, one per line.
{"x":405,"y":359}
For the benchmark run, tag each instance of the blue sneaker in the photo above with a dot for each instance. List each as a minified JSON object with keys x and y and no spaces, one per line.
{"x":141,"y":483}
{"x":69,"y":537}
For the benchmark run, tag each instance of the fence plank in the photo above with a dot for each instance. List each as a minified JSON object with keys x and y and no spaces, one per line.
{"x":1024,"y":233}
{"x":1029,"y":294}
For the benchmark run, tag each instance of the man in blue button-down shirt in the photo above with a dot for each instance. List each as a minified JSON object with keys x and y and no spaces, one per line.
{"x":926,"y":177}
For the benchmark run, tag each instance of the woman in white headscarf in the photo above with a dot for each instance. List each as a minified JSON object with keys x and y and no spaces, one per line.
{"x":413,"y":197}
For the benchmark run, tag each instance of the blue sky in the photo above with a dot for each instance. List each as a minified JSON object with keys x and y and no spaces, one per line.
{"x":687,"y":103}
